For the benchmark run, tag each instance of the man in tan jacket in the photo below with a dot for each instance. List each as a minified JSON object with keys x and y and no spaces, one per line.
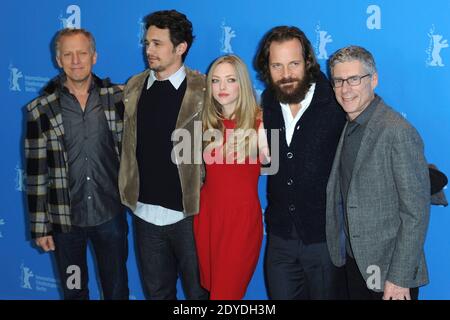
{"x":162,"y":186}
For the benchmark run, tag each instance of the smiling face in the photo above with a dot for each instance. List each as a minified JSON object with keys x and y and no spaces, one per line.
{"x":354,"y":99}
{"x":225,"y":86}
{"x":76,"y":57}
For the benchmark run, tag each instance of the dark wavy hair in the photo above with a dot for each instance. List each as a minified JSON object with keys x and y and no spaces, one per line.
{"x":180,"y":28}
{"x":281,"y":34}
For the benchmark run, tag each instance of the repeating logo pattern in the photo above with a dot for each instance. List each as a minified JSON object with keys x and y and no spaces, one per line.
{"x":14,"y":76}
{"x":73,"y":20}
{"x":436,"y":44}
{"x":141,"y":33}
{"x":19,"y":81}
{"x":20,"y":179}
{"x":374,"y":20}
{"x":31,"y":281}
{"x":227,"y":34}
{"x":2,"y":223}
{"x":25,"y":277}
{"x":322,"y":39}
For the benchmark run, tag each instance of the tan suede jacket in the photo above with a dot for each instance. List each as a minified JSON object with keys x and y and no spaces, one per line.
{"x":190,"y":172}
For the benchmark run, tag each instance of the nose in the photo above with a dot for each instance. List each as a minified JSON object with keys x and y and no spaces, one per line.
{"x":75,"y":58}
{"x":285,"y":72}
{"x":222,"y":85}
{"x":345,"y":86}
{"x":150,"y":49}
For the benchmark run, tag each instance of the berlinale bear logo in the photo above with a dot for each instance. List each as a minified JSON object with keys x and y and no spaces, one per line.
{"x":434,"y":49}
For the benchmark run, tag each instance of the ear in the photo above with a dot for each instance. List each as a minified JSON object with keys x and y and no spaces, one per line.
{"x":374,"y":82}
{"x":181,"y":48}
{"x":94,"y":58}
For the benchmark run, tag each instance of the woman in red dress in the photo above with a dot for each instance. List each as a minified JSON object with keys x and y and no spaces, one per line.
{"x":228,"y":229}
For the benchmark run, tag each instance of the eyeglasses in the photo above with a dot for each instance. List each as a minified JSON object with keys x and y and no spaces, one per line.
{"x":352,"y":81}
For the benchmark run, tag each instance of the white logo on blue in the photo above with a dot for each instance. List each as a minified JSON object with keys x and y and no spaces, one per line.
{"x":14,"y":75}
{"x":141,"y":33}
{"x":258,"y":93}
{"x":374,"y":20}
{"x":73,"y":21}
{"x":20,"y":179}
{"x":2,"y":223}
{"x":25,"y":275}
{"x":437,"y":43}
{"x":322,"y":39}
{"x":227,"y":34}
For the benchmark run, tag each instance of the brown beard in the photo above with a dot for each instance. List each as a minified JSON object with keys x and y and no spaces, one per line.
{"x":293,"y":95}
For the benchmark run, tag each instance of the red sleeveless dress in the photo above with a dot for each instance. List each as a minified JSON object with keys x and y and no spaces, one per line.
{"x":228,"y":229}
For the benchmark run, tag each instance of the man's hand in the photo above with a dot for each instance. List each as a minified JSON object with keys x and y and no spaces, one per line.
{"x":46,"y":243}
{"x":394,"y":292}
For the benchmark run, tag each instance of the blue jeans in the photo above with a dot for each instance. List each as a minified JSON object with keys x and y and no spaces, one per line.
{"x":163,"y":252}
{"x":110,"y":245}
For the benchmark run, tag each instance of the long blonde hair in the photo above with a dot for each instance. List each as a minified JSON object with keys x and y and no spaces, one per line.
{"x":245,"y":113}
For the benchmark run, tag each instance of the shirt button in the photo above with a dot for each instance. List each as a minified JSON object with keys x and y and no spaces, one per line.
{"x":291,"y":208}
{"x":88,"y":178}
{"x":290,"y":182}
{"x":89,"y":197}
{"x":86,"y":159}
{"x":290,"y":155}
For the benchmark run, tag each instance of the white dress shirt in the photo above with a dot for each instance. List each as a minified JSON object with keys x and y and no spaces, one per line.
{"x":289,"y":121}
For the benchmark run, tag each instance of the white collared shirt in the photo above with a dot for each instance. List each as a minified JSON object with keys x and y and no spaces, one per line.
{"x":151,"y":213}
{"x":289,"y":121}
{"x":176,"y":79}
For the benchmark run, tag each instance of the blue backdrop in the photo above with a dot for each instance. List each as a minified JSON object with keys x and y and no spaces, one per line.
{"x":407,"y":38}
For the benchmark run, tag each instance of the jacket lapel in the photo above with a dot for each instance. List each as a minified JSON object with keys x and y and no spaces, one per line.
{"x":333,"y":186}
{"x":53,"y":112}
{"x":132,"y":95}
{"x":367,"y":139}
{"x":193,"y":98}
{"x":114,"y":124}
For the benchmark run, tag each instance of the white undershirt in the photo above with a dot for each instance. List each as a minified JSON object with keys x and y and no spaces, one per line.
{"x":151,"y":213}
{"x":289,"y":121}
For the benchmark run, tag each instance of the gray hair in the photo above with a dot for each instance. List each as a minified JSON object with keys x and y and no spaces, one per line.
{"x":71,"y":32}
{"x":352,"y":53}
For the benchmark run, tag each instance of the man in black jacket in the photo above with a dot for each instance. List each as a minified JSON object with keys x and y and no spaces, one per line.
{"x":300,"y":103}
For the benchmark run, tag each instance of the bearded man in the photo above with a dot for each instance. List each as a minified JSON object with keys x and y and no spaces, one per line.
{"x":300,"y":103}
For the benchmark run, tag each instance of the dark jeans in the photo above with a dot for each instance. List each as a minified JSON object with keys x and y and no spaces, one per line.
{"x":357,"y":287}
{"x":110,"y":245}
{"x":164,"y":252}
{"x":296,"y":271}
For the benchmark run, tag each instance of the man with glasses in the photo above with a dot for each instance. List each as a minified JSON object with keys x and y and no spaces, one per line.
{"x":378,"y":193}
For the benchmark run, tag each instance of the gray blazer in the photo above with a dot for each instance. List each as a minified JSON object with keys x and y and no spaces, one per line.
{"x":388,"y":203}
